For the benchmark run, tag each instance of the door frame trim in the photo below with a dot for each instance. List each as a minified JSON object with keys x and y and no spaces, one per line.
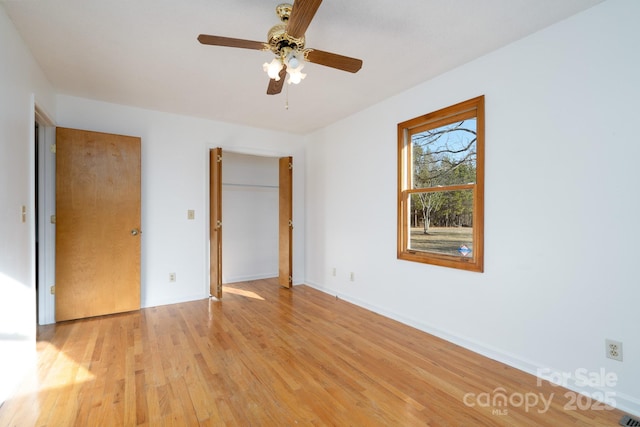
{"x":46,"y":174}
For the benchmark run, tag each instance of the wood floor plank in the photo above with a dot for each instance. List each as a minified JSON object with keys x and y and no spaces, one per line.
{"x":266,"y":356}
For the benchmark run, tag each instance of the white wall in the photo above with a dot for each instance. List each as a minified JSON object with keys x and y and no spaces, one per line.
{"x":250,"y":200}
{"x":561,"y":226}
{"x":22,"y":85}
{"x":175,"y":177}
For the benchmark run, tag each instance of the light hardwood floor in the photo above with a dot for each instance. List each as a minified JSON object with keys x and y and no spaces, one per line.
{"x":268,"y":356}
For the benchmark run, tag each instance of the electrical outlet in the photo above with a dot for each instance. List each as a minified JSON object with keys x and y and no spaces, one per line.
{"x":352,"y":277}
{"x":614,"y":349}
{"x":172,"y":277}
{"x":191,"y":214}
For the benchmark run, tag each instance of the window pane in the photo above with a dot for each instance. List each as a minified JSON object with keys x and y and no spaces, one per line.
{"x":445,"y":155}
{"x":442,"y":222}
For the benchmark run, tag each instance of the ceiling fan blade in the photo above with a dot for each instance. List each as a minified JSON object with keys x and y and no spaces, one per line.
{"x":231,"y":42}
{"x":301,"y":15}
{"x":275,"y":87}
{"x":334,"y":60}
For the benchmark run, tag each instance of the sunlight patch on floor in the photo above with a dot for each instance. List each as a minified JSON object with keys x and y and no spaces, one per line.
{"x":242,"y":292}
{"x":64,"y":372}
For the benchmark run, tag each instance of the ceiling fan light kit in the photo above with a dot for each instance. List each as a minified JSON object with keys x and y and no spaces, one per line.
{"x":291,"y":61}
{"x":287,"y":42}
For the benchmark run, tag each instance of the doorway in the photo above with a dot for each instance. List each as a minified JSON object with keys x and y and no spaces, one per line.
{"x":251,"y":209}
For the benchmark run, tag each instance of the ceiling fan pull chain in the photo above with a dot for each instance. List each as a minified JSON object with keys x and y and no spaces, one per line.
{"x":286,"y":105}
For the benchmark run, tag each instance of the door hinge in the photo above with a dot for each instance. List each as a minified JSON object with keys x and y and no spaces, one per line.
{"x":52,"y":290}
{"x":219,"y":160}
{"x":290,"y":279}
{"x":290,"y":166}
{"x":53,"y":219}
{"x":52,"y":147}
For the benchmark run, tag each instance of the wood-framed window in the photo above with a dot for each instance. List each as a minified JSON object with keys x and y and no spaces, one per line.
{"x":441,"y":187}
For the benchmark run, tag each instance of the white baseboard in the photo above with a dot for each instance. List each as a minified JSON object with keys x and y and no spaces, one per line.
{"x":235,"y":279}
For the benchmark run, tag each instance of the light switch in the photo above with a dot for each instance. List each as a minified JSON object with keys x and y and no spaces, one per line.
{"x":191,"y":214}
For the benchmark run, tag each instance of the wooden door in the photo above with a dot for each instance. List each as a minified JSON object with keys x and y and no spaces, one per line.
{"x":215,"y":222}
{"x":97,"y":224}
{"x":285,"y":269}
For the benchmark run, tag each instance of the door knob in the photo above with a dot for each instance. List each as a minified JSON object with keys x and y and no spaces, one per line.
{"x":135,"y":232}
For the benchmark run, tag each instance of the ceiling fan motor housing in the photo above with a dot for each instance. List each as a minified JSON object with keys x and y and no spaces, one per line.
{"x":280,"y":41}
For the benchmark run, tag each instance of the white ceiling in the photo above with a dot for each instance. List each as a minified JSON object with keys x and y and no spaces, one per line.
{"x":144,"y":52}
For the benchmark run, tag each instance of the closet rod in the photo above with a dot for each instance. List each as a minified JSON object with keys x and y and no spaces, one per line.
{"x":249,"y":185}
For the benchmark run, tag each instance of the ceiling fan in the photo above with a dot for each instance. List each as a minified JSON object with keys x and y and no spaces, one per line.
{"x":287,"y":42}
